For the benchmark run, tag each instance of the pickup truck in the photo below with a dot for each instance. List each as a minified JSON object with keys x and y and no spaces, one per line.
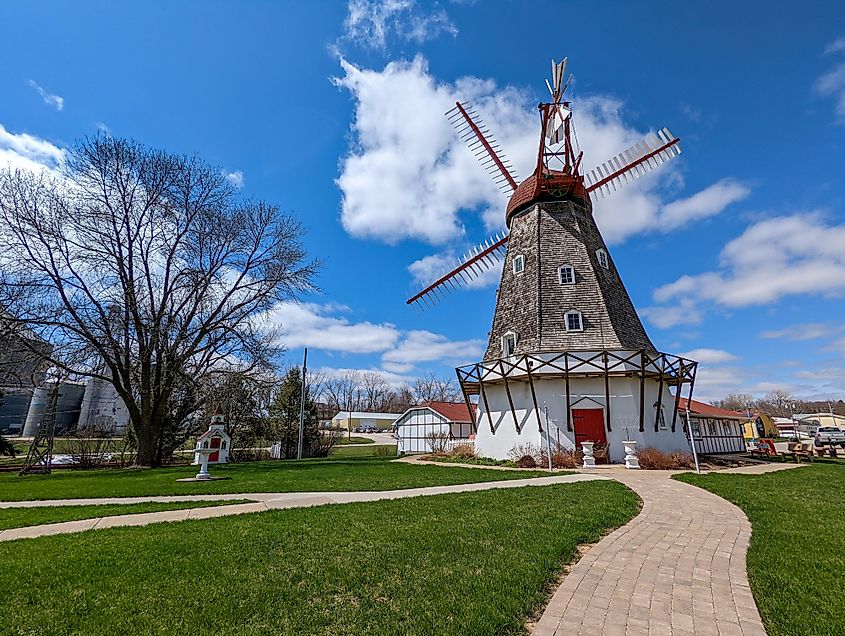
{"x":830,"y":435}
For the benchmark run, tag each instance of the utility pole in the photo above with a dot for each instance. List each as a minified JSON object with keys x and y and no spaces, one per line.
{"x":302,"y":405}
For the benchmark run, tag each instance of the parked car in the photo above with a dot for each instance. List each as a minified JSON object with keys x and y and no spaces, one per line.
{"x":367,"y":428}
{"x":830,"y":435}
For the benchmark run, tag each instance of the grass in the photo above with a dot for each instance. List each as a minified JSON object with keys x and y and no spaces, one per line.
{"x":796,"y":559}
{"x":307,"y":475}
{"x":344,"y":440}
{"x":364,"y":450}
{"x":22,"y":517}
{"x":467,"y":563}
{"x":474,"y":461}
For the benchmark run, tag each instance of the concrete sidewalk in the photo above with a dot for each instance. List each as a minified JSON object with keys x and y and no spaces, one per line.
{"x":260,"y":502}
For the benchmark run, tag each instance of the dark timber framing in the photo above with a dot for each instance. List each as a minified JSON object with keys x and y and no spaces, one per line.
{"x":668,"y":370}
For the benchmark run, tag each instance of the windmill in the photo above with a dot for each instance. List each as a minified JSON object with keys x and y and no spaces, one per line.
{"x":565,"y":332}
{"x":557,"y":174}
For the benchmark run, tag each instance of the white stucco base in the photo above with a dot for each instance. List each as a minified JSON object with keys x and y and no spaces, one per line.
{"x":585,"y":393}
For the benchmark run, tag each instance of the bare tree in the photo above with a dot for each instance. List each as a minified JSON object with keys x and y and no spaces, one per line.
{"x":430,"y":388}
{"x":740,"y":402}
{"x":141,"y":267}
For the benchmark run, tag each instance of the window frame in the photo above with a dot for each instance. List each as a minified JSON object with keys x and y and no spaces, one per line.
{"x":602,"y":258}
{"x":573,"y":312}
{"x":519,"y":258}
{"x":560,"y":271}
{"x":505,"y":337}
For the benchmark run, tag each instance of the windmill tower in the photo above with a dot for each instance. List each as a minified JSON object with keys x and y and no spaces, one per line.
{"x":568,"y":359}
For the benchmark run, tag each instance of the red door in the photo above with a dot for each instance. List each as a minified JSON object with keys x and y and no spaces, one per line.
{"x":215,"y":443}
{"x":589,"y":426}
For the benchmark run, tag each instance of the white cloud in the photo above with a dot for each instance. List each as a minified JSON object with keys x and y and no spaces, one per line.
{"x":832,"y":83}
{"x":430,"y":268}
{"x":782,"y":256}
{"x":408,"y":175}
{"x":836,"y":46}
{"x":709,"y":356}
{"x":313,"y":325}
{"x":56,"y":101}
{"x":712,"y":383}
{"x":685,"y":312}
{"x":371,"y":23}
{"x":236,"y":178}
{"x":425,"y":346}
{"x":708,"y":202}
{"x":804,"y":331}
{"x":24,"y":151}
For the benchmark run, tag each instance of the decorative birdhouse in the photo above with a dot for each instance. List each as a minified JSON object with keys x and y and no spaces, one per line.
{"x":215,"y":439}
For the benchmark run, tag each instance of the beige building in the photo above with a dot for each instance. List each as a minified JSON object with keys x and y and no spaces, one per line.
{"x":814,"y":420}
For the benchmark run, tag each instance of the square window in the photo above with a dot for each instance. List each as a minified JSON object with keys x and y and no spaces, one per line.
{"x":518,"y":264}
{"x":573,"y":321}
{"x":566,"y":273}
{"x":508,"y":344}
{"x":602,"y":257}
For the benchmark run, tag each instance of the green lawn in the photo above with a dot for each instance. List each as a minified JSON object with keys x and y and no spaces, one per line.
{"x":21,"y":517}
{"x":334,"y":473}
{"x":468,"y":563}
{"x":344,"y":440}
{"x":364,"y":450}
{"x":796,"y":560}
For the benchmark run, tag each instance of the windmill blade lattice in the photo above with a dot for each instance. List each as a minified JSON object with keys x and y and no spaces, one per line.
{"x":632,"y":163}
{"x":481,"y":142}
{"x":473,"y":264}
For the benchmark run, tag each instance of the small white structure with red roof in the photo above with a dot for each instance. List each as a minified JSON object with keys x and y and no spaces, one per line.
{"x":449,"y":419}
{"x":215,"y":438}
{"x":715,"y":430}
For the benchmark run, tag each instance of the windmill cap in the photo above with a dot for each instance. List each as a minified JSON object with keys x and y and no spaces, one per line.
{"x":550,"y":185}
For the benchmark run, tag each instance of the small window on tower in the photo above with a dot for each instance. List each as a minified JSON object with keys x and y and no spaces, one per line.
{"x":574,"y":322}
{"x":602,"y":256}
{"x":566,"y":274}
{"x":518,"y":264}
{"x":508,"y":344}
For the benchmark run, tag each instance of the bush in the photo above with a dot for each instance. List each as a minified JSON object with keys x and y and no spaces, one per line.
{"x":437,"y":442}
{"x":384,"y":451}
{"x":653,"y":459}
{"x":524,"y":450}
{"x":526,"y":461}
{"x":463,"y":451}
{"x":566,"y":458}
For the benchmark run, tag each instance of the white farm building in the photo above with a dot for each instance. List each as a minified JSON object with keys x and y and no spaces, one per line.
{"x":450,"y":419}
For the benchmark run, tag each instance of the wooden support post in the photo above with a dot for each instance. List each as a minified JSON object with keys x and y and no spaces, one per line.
{"x":606,"y":391}
{"x":510,"y":399}
{"x":568,"y":396}
{"x":474,"y":426}
{"x":659,"y":394}
{"x":533,"y":395}
{"x":678,"y":395}
{"x":642,"y":391}
{"x":486,"y":404}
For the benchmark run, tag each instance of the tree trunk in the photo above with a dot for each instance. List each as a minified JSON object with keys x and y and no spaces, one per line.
{"x":147,"y":434}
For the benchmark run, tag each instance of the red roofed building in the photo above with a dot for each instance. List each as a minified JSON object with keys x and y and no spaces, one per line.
{"x":434,"y":423}
{"x":714,"y":430}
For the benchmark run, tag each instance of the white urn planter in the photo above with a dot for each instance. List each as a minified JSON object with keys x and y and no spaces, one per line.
{"x":589,"y":460}
{"x":631,"y":460}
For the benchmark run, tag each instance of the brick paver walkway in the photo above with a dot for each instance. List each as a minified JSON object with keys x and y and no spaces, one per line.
{"x":677,"y":568}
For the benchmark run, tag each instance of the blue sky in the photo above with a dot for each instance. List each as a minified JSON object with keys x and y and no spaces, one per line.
{"x":734,"y":253}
